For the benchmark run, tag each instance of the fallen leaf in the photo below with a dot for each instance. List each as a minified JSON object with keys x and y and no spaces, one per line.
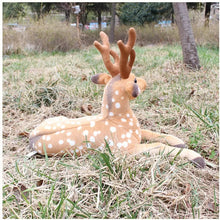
{"x":18,"y":190}
{"x":187,"y":189}
{"x":211,"y":207}
{"x":84,"y":77}
{"x":39,"y":183}
{"x":23,"y":134}
{"x":90,"y":108}
{"x":86,"y":109}
{"x":5,"y":134}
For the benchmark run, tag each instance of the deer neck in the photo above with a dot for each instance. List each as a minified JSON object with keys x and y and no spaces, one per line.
{"x":115,"y":103}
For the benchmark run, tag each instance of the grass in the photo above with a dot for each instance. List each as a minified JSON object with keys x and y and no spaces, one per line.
{"x":101,"y":184}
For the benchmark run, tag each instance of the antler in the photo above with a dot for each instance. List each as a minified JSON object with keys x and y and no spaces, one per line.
{"x":126,"y":50}
{"x":122,"y":65}
{"x":106,"y":52}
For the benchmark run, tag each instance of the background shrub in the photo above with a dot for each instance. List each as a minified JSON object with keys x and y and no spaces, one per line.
{"x":50,"y":35}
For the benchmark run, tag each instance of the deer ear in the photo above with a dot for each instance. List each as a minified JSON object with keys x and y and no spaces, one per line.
{"x":101,"y":78}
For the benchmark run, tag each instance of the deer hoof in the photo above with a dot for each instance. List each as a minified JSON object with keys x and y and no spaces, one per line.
{"x":199,"y":161}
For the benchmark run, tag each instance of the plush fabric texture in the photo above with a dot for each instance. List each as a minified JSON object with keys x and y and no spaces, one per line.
{"x":117,"y":124}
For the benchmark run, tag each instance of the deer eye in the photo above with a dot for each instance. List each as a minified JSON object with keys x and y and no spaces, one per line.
{"x":135,"y":80}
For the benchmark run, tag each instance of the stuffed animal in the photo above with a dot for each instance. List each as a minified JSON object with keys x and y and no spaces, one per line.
{"x":117,"y":124}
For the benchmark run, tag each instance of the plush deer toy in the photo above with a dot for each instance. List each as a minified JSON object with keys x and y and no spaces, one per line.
{"x":117,"y":123}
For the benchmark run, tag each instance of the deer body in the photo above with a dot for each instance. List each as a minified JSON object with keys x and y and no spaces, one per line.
{"x":117,"y":123}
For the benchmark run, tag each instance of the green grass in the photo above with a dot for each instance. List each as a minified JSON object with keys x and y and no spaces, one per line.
{"x":102,"y":184}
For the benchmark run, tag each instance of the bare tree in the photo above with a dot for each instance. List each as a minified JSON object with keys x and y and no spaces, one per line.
{"x":207,"y":13}
{"x":190,"y":56}
{"x":67,"y":8}
{"x":112,"y":27}
{"x":83,"y":14}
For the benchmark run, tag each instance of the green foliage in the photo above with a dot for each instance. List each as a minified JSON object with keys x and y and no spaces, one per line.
{"x":141,"y":13}
{"x":40,"y":8}
{"x":13,"y":10}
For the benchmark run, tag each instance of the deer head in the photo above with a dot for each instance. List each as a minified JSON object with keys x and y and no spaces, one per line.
{"x":122,"y":85}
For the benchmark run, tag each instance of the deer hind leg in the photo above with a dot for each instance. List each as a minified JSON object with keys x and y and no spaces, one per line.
{"x":159,"y":148}
{"x":162,"y":138}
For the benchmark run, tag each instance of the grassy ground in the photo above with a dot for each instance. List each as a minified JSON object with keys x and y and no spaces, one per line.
{"x":100,"y":185}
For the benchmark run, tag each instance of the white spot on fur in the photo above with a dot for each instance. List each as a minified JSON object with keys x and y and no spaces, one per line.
{"x":106,"y":122}
{"x":122,"y":97}
{"x":131,"y":123}
{"x":123,"y":120}
{"x":117,"y":105}
{"x":39,"y":144}
{"x":50,"y":145}
{"x":123,"y":136}
{"x":119,"y":145}
{"x":113,"y":100}
{"x":111,"y":114}
{"x":106,"y":106}
{"x":68,"y":133}
{"x":85,"y":133}
{"x":92,"y":124}
{"x":125,"y":144}
{"x":111,"y":143}
{"x":116,"y":92}
{"x":61,"y":141}
{"x":63,"y":126}
{"x":128,"y":134}
{"x":112,"y":129}
{"x":128,"y":115}
{"x":71,"y":142}
{"x":47,"y":127}
{"x":92,"y":139}
{"x":80,"y":127}
{"x":48,"y":138}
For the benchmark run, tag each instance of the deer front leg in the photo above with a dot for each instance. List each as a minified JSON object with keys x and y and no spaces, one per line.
{"x":162,"y":138}
{"x":158,"y":148}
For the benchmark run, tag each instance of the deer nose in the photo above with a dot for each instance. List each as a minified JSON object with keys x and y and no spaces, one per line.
{"x":136,"y":91}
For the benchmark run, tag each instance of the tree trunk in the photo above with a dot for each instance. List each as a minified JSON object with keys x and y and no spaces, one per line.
{"x":112,"y":27}
{"x":67,"y":15}
{"x":207,"y":13}
{"x":190,"y":56}
{"x":99,"y":20}
{"x":83,"y":15}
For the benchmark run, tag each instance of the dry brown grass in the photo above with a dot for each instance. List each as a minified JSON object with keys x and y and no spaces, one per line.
{"x":52,"y":35}
{"x":140,"y":186}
